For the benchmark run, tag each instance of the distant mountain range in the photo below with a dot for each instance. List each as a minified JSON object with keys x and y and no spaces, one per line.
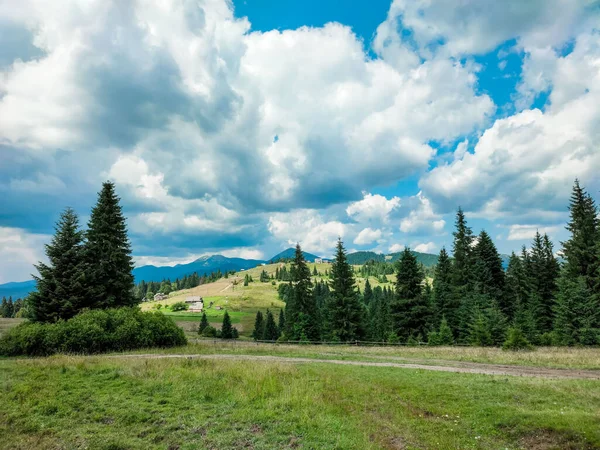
{"x":289,"y":253}
{"x":208,"y":264}
{"x":17,"y":289}
{"x":203,"y":265}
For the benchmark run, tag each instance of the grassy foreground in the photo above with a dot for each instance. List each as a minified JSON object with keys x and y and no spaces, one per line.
{"x":113,"y":403}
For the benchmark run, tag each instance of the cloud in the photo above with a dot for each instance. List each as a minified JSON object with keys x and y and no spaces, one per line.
{"x":425,"y":248}
{"x":523,"y":232}
{"x":367,"y":236}
{"x":396,"y":248}
{"x":372,"y":208}
{"x":527,"y":162}
{"x":19,"y":250}
{"x":308,"y":228}
{"x":422,"y":219}
{"x":476,"y":26}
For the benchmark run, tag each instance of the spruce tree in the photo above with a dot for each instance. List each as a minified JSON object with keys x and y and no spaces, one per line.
{"x":488,"y":274}
{"x":203,"y":323}
{"x":577,"y":309}
{"x":226,"y":328}
{"x":259,"y":327}
{"x":368,"y":294}
{"x":302,"y":320}
{"x":409,"y":309}
{"x":344,"y":311}
{"x":61,"y":285}
{"x":108,"y":253}
{"x":3,"y":308}
{"x":271,"y":333}
{"x":580,"y":251}
{"x":462,"y":252}
{"x":10,"y":308}
{"x":445,"y":303}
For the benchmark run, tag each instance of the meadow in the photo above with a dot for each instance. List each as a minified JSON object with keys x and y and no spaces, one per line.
{"x":121,"y":402}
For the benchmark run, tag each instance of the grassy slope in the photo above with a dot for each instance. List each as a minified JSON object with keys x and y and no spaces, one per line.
{"x":66,"y":402}
{"x":243,"y":301}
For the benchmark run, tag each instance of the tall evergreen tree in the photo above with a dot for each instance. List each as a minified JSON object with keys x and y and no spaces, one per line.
{"x":580,"y":251}
{"x":344,"y":311}
{"x":271,"y":333}
{"x":368,"y":294}
{"x":445,"y":303}
{"x":577,"y":309}
{"x":302,"y":318}
{"x":60,"y":287}
{"x":108,"y":253}
{"x":462,"y":251}
{"x":488,"y":274}
{"x":259,"y":327}
{"x":409,"y":309}
{"x":203,"y":323}
{"x":226,"y":328}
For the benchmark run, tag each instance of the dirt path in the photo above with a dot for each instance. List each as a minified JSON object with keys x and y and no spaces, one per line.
{"x":226,"y":287}
{"x":450,"y":366}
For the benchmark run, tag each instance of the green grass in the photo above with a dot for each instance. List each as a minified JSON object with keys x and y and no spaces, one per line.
{"x":113,"y":403}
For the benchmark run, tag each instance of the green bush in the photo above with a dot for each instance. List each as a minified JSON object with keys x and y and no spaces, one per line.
{"x":94,"y":331}
{"x":516,"y":340}
{"x":209,"y":331}
{"x":179,"y":306}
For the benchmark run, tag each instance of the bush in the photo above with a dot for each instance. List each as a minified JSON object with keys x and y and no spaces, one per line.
{"x":180,"y":306}
{"x":516,"y":340}
{"x":209,"y":331}
{"x":94,"y":331}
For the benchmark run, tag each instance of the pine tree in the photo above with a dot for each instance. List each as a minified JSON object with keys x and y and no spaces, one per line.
{"x":271,"y":333}
{"x":462,"y":252}
{"x":368,"y":294}
{"x":488,"y":274}
{"x":580,"y":250}
{"x":226,"y":328}
{"x":445,"y":303}
{"x":60,"y":287}
{"x":108,"y":253}
{"x":577,"y":309}
{"x":259,"y":327}
{"x":203,"y":323}
{"x":10,"y":308}
{"x":302,"y":315}
{"x":344,"y":311}
{"x":409,"y":309}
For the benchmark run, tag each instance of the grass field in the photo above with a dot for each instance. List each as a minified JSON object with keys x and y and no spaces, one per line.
{"x":116,"y":403}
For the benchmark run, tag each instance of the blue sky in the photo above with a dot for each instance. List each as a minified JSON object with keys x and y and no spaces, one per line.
{"x":241,"y":128}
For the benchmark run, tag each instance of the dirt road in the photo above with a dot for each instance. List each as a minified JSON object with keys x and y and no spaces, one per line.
{"x":448,"y":366}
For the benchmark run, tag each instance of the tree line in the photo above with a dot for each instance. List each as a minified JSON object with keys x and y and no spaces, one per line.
{"x":471,"y":300}
{"x":9,"y":308}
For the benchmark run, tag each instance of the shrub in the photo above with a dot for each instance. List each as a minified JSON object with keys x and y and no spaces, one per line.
{"x":209,"y":331}
{"x":516,"y":340}
{"x":94,"y":331}
{"x":180,"y":306}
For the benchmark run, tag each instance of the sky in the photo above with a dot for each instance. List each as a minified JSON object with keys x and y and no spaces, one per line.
{"x":241,"y":128}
